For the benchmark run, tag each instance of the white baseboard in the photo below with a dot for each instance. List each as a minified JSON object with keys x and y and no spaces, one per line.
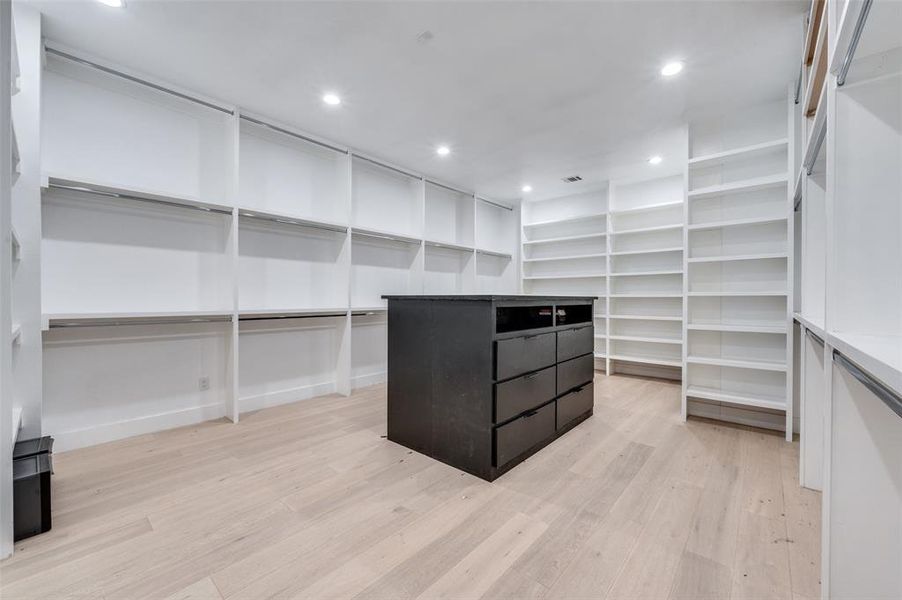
{"x":108,"y":432}
{"x":268,"y":400}
{"x":360,"y":381}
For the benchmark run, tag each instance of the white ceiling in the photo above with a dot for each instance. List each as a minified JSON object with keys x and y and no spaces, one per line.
{"x":521,"y":91}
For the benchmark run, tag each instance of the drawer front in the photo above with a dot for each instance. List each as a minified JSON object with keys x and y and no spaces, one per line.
{"x":575,"y":372}
{"x":523,"y":393}
{"x":521,"y":434}
{"x":520,"y":355}
{"x":574,"y":404}
{"x":575,"y":342}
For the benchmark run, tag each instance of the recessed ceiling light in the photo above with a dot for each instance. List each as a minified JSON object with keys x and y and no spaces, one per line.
{"x":113,"y":3}
{"x":672,"y":68}
{"x":443,"y":150}
{"x":527,"y":188}
{"x":332,"y":99}
{"x":655,"y":160}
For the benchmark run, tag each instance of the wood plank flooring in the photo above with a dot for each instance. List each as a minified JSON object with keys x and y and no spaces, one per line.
{"x":310,"y":501}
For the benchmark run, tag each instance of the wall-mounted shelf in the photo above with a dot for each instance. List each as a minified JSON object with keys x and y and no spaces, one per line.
{"x":646,"y":339}
{"x":53,"y":182}
{"x":649,"y":251}
{"x":647,"y":360}
{"x":748,"y":185}
{"x":647,"y":273}
{"x":273,"y":313}
{"x":647,"y":229}
{"x":646,"y":295}
{"x":567,"y":276}
{"x":738,"y":327}
{"x":735,"y":223}
{"x":291,"y":220}
{"x":384,"y":235}
{"x":879,"y":355}
{"x":646,"y":208}
{"x":448,"y":246}
{"x":645,"y":318}
{"x":758,"y":365}
{"x":738,"y":257}
{"x":706,"y":393}
{"x":566,"y":238}
{"x":746,"y":293}
{"x":493,"y":253}
{"x":727,"y":156}
{"x":559,"y":258}
{"x":555,"y":222}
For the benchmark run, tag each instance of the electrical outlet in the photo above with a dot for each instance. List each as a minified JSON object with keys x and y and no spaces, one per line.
{"x":204,"y":383}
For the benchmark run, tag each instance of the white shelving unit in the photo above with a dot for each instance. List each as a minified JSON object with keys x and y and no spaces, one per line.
{"x":738,"y":285}
{"x":646,"y":274}
{"x":565,"y":251}
{"x":248,"y":264}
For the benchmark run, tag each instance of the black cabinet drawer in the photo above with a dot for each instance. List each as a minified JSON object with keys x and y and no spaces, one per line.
{"x":523,"y":393}
{"x":576,"y":403}
{"x":575,"y":372}
{"x":519,"y":355}
{"x":518,"y":436}
{"x":575,"y":342}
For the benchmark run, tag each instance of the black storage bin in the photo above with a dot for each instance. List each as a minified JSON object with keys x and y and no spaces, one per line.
{"x":31,"y":495}
{"x":27,"y":448}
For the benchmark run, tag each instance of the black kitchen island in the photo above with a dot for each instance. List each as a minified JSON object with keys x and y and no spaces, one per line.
{"x":483,"y":382}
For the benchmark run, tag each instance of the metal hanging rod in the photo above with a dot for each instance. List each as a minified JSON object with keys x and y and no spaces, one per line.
{"x":815,"y":148}
{"x":252,"y":214}
{"x":495,"y":204}
{"x":889,"y":397}
{"x":799,"y":81}
{"x":161,"y":201}
{"x":381,"y":235}
{"x":385,"y":166}
{"x":853,"y":43}
{"x":283,"y":131}
{"x":816,"y":337}
{"x":119,"y":322}
{"x":137,"y":80}
{"x":324,"y":315}
{"x":449,"y":188}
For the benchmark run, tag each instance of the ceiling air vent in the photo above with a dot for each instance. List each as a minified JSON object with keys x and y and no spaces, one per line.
{"x":571,"y":179}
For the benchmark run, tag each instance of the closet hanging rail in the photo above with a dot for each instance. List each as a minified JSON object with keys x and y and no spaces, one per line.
{"x":816,"y":337}
{"x":385,"y":166}
{"x":138,"y":80}
{"x":449,"y":188}
{"x":287,"y":132}
{"x":63,"y":323}
{"x":888,"y":396}
{"x":853,"y":43}
{"x":284,"y":220}
{"x":54,"y":184}
{"x":495,"y":204}
{"x":290,"y":315}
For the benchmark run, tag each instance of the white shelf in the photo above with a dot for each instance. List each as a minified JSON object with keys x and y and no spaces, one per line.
{"x":762,"y":256}
{"x":648,"y":229}
{"x":449,"y":246}
{"x":758,"y":365}
{"x":748,"y":185}
{"x":368,"y":310}
{"x":385,"y":235}
{"x":129,"y":193}
{"x":645,"y":318}
{"x":706,"y":393}
{"x":648,"y":360}
{"x":647,"y":273}
{"x":738,"y":327}
{"x":559,"y":258}
{"x":654,"y":251}
{"x":742,"y":294}
{"x":735,"y":223}
{"x":574,"y":276}
{"x":566,"y":221}
{"x":566,"y":238}
{"x":719,"y":158}
{"x":493,"y":253}
{"x":879,"y":355}
{"x":650,"y":340}
{"x":649,"y":208}
{"x":816,"y":326}
{"x":646,"y":295}
{"x":285,"y":219}
{"x":16,"y":336}
{"x":134,"y":318}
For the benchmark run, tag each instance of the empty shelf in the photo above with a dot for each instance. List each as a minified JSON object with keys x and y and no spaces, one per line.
{"x":748,"y":293}
{"x":726,"y":156}
{"x":449,"y":246}
{"x":763,"y":256}
{"x":574,"y":276}
{"x":760,"y":365}
{"x":651,"y":360}
{"x":648,"y":229}
{"x":284,"y":219}
{"x":652,"y":251}
{"x":736,"y":223}
{"x":879,"y":355}
{"x":650,"y":207}
{"x":567,"y":220}
{"x":647,"y":273}
{"x":706,"y":393}
{"x":493,"y":253}
{"x":647,"y":339}
{"x":130,"y":193}
{"x":136,"y":318}
{"x":816,"y":325}
{"x":572,"y":257}
{"x":566,"y":238}
{"x":748,"y":185}
{"x":779,"y":328}
{"x":645,"y":318}
{"x":647,"y":295}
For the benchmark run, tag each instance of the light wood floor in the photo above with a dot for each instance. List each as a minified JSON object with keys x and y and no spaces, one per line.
{"x":309,"y":501}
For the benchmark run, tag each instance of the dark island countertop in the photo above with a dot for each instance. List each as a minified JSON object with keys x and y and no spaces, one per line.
{"x":487,"y":297}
